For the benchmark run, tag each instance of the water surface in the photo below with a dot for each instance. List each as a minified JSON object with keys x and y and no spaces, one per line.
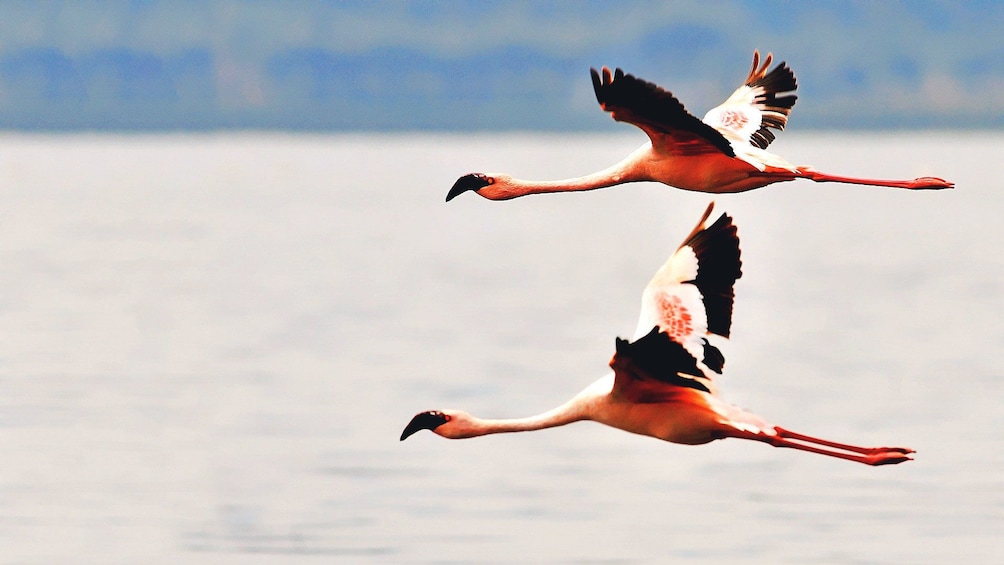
{"x":210,"y":344}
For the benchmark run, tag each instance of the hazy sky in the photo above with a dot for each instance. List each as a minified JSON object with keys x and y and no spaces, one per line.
{"x":481,"y":65}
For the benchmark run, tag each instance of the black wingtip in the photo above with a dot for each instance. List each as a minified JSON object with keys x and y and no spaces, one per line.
{"x":473,"y":181}
{"x":597,"y":85}
{"x":428,"y":420}
{"x":637,"y":101}
{"x":713,"y":358}
{"x":621,"y":345}
{"x":719,"y":261}
{"x":657,"y":355}
{"x":648,"y":351}
{"x":780,"y":79}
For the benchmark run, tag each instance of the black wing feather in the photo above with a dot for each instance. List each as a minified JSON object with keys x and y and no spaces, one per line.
{"x":653,"y":106}
{"x":718,"y":267}
{"x":774,"y":108}
{"x":659,"y":357}
{"x":713,"y":358}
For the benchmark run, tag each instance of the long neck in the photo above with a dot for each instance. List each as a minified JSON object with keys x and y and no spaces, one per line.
{"x":628,"y":170}
{"x":567,"y":413}
{"x":587,"y":405}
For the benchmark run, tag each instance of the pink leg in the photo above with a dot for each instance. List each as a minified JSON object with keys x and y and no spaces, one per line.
{"x":931,"y":183}
{"x":786,"y":434}
{"x":869,"y":455}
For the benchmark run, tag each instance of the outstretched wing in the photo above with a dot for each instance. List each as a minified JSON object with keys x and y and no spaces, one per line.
{"x":756,"y":106}
{"x":692,"y":295}
{"x":655,"y":368}
{"x":670,"y":126}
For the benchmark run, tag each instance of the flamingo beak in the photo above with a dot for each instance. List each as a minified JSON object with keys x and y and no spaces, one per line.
{"x":473,"y":181}
{"x":429,"y":420}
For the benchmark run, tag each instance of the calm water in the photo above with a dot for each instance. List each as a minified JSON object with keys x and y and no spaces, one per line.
{"x":209,"y":346}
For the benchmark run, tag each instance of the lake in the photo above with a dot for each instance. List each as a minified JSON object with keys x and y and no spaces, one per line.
{"x":209,"y":345}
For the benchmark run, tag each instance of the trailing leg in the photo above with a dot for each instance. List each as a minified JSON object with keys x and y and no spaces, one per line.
{"x":790,"y":440}
{"x":922,"y":183}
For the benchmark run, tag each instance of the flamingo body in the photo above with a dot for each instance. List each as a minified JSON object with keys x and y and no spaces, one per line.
{"x":681,"y":415}
{"x":662,"y":384}
{"x":726,"y":152}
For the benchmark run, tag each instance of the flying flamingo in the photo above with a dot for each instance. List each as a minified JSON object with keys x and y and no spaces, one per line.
{"x":725,"y":152}
{"x":662,"y":382}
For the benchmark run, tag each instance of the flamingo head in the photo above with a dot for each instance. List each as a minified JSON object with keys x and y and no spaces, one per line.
{"x":473,"y":181}
{"x":452,"y":424}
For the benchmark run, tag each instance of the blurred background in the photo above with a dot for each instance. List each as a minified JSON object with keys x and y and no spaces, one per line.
{"x":228,"y":279}
{"x":444,"y":65}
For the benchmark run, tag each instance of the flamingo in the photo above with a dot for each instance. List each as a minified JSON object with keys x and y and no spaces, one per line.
{"x":662,"y":384}
{"x":723,"y":153}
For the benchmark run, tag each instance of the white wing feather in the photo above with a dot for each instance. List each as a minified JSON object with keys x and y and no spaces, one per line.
{"x":744,"y":118}
{"x":737,"y":118}
{"x":674,"y":301}
{"x":675,"y":307}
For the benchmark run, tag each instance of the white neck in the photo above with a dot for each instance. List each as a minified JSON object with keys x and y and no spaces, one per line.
{"x":567,"y":413}
{"x":628,"y":170}
{"x":586,"y":405}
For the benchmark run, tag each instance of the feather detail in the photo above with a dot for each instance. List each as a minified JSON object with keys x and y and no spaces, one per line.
{"x":692,"y":295}
{"x":758,"y":106}
{"x":718,"y":267}
{"x":655,"y":356}
{"x":657,"y":112}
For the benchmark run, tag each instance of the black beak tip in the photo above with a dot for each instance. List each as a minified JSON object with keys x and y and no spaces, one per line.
{"x":473,"y":181}
{"x":429,"y":420}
